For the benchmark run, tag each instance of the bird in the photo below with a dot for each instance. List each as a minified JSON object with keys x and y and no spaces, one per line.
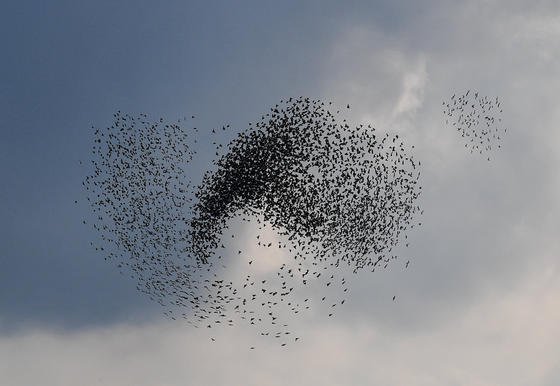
{"x":336,"y":196}
{"x":477,"y":118}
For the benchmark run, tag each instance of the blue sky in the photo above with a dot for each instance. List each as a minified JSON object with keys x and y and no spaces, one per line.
{"x":484,"y":279}
{"x":70,"y":65}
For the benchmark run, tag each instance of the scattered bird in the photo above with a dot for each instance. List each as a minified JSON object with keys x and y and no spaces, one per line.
{"x":478,"y":119}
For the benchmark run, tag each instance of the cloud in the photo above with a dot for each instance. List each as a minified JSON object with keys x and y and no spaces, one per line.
{"x":506,"y":338}
{"x":382,"y":81}
{"x":413,"y":84}
{"x":486,"y":225}
{"x":479,"y":303}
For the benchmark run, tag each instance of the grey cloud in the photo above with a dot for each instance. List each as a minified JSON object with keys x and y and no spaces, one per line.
{"x":477,"y":306}
{"x":485,"y":224}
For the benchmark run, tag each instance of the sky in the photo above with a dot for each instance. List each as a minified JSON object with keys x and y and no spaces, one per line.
{"x":479,"y":304}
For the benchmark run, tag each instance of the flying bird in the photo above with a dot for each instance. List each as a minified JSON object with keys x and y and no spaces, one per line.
{"x":337,"y":196}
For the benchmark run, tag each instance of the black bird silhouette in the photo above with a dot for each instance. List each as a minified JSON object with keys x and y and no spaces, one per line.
{"x":478,"y":119}
{"x":336,"y":196}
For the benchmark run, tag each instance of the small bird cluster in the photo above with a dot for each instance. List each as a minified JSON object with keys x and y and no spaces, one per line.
{"x":338,"y":197}
{"x":478,"y":119}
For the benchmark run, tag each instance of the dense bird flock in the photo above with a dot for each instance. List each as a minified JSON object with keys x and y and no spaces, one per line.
{"x":326,"y":199}
{"x":478,"y":119}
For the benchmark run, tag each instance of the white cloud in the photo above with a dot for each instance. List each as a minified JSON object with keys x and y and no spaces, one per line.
{"x":413,"y":84}
{"x":380,"y":79}
{"x":507,"y":338}
{"x":488,"y":227}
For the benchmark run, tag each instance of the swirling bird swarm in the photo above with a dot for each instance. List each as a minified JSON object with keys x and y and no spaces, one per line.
{"x":336,"y":195}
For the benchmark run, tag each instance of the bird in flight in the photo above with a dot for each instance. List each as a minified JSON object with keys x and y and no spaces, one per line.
{"x":336,"y":196}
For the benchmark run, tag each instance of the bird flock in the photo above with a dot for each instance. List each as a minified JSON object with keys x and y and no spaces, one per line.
{"x":478,"y":119}
{"x":322,"y":199}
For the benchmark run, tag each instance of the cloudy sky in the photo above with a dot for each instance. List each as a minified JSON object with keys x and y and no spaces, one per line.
{"x":480,"y":302}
